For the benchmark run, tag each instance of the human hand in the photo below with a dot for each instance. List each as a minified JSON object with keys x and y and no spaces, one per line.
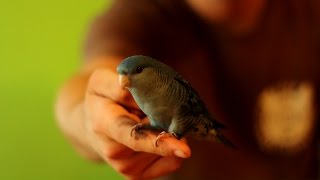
{"x":110,"y":115}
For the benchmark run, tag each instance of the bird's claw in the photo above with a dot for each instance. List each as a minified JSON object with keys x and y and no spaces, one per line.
{"x":165,"y":134}
{"x":136,"y":128}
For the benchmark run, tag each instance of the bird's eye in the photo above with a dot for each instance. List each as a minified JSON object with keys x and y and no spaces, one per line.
{"x":139,"y":69}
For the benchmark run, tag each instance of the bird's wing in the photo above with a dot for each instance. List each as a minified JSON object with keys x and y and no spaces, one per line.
{"x":194,"y":105}
{"x":193,"y":101}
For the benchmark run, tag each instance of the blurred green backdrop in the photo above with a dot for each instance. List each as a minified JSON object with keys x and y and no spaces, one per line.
{"x":40,"y":46}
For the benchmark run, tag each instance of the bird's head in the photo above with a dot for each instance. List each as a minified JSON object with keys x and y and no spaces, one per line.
{"x":138,"y":70}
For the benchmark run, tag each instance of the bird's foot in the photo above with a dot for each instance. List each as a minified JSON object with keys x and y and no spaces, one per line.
{"x":138,"y":129}
{"x":165,"y":134}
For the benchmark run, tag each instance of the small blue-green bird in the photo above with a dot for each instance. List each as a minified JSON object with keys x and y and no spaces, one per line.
{"x":168,"y":100}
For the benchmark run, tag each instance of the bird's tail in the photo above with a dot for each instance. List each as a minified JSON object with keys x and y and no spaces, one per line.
{"x":222,"y":139}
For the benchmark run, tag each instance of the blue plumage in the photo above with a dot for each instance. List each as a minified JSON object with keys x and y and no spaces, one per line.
{"x":168,"y":100}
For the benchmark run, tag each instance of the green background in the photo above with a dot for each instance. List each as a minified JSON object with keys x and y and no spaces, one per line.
{"x":40,"y":47}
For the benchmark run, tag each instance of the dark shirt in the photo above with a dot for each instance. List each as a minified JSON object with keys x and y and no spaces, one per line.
{"x":230,"y":72}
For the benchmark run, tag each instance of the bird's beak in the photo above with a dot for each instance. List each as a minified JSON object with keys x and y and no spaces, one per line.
{"x":124,"y":81}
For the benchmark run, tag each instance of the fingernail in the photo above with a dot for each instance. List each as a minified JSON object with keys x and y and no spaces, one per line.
{"x":179,"y":153}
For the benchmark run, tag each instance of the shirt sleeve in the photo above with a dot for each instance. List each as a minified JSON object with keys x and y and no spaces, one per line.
{"x":126,"y":28}
{"x":148,"y":27}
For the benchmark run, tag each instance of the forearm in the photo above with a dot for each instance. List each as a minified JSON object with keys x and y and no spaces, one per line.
{"x":70,"y":111}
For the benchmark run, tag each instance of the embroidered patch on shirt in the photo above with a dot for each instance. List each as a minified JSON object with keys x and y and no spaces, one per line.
{"x":285,"y":116}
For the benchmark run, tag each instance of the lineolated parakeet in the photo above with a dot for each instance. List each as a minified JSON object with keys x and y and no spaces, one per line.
{"x":168,"y":100}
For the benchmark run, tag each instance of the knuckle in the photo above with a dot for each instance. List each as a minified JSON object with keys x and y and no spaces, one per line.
{"x":123,"y":96}
{"x":162,"y":151}
{"x":131,"y":143}
{"x":108,"y":153}
{"x":94,"y":77}
{"x":115,"y":151}
{"x":135,"y":148}
{"x":96,"y":127}
{"x":126,"y":169}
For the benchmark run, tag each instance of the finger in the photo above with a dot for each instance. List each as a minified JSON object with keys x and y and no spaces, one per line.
{"x":137,"y":165}
{"x":104,"y":82}
{"x":134,"y":165}
{"x":168,"y":147}
{"x":153,"y":167}
{"x":161,"y":166}
{"x":113,"y":121}
{"x":120,"y":130}
{"x":140,"y":165}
